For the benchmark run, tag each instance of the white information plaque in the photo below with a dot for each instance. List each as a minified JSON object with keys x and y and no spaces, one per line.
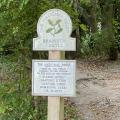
{"x":53,"y":78}
{"x":54,"y":30}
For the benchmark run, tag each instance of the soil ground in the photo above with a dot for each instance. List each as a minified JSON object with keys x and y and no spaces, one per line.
{"x":98,"y":90}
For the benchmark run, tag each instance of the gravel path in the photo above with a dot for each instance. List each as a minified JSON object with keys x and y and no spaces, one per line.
{"x":98,"y":90}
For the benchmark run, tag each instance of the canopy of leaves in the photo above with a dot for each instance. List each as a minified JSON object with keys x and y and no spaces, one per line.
{"x":18,"y":20}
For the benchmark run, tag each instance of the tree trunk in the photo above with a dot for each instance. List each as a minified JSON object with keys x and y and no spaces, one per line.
{"x":107,"y":25}
{"x":93,"y":16}
{"x":76,"y":4}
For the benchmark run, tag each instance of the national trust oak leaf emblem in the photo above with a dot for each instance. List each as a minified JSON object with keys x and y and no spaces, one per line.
{"x":55,"y":27}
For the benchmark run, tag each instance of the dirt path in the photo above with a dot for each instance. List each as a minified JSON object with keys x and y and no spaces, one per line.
{"x":98,"y":90}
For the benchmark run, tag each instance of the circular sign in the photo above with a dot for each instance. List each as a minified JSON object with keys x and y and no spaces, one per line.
{"x":54,"y":23}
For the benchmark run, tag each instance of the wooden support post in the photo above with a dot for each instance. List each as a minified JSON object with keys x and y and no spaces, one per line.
{"x":56,"y":104}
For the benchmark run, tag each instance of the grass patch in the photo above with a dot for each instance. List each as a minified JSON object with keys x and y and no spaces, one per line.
{"x":17,"y":103}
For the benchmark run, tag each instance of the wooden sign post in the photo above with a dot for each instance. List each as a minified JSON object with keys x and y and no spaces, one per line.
{"x":56,"y":104}
{"x":55,"y":77}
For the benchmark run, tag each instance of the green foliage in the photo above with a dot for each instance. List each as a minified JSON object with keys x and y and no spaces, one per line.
{"x":18,"y":22}
{"x":84,"y":27}
{"x":7,"y":68}
{"x":95,"y":44}
{"x":16,"y":101}
{"x":97,"y":47}
{"x":116,"y":24}
{"x":85,"y":50}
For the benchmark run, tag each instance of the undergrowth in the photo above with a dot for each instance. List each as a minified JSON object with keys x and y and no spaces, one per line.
{"x":16,"y":101}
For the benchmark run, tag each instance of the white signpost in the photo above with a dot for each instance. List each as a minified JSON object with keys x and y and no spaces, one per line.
{"x":54,"y":29}
{"x":54,"y":78}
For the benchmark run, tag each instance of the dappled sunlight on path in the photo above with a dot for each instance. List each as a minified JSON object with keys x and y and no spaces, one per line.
{"x":98,"y":90}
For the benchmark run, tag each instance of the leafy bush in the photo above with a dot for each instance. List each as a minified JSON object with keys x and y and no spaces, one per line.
{"x":16,"y":102}
{"x":95,"y":44}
